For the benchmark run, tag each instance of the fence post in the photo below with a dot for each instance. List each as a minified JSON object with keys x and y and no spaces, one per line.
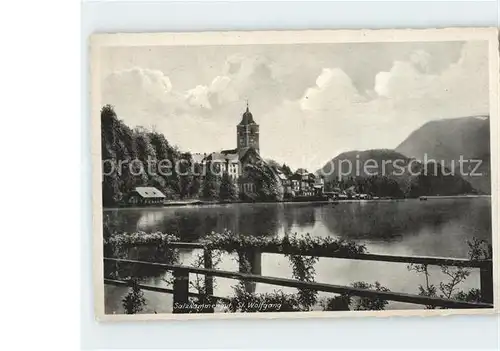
{"x":181,"y":290}
{"x":486,"y":278}
{"x":250,"y":261}
{"x":209,"y":281}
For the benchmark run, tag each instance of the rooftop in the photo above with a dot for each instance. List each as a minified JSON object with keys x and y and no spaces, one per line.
{"x":198,"y":157}
{"x":247,"y":118}
{"x":223,"y":157}
{"x":149,"y":192}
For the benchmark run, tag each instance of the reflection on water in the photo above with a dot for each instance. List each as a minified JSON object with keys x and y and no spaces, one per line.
{"x":437,"y":227}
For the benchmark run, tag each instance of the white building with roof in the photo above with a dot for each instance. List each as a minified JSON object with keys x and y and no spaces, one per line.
{"x":145,"y":195}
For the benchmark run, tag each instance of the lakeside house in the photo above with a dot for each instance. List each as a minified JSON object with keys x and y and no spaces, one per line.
{"x":285,"y":182}
{"x":304,"y":183}
{"x":145,"y":195}
{"x":319,"y":186}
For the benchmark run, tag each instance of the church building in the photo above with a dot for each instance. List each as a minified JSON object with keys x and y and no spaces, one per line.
{"x":233,"y":161}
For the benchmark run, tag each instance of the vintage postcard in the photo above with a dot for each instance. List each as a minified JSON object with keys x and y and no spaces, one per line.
{"x":295,"y":173}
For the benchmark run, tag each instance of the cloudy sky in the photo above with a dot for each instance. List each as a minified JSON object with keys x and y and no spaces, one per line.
{"x":312,"y":101}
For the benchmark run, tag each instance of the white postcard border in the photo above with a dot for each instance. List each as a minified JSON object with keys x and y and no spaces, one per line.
{"x":98,"y":41}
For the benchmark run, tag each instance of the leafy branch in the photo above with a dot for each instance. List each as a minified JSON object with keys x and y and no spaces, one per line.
{"x":478,"y":250}
{"x":347,"y":302}
{"x":303,"y":270}
{"x":199,"y":279}
{"x":290,"y":244}
{"x":134,"y":301}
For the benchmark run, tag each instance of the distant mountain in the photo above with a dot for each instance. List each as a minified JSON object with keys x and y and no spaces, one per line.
{"x":385,"y":172}
{"x":445,"y":140}
{"x":356,"y":163}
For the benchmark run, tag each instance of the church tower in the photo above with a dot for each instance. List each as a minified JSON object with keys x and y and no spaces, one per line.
{"x":247,"y":133}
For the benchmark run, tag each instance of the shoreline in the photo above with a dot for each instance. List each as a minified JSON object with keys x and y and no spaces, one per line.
{"x":312,"y":202}
{"x":437,"y":197}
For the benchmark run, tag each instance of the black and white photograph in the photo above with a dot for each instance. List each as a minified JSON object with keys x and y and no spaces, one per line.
{"x":317,"y":173}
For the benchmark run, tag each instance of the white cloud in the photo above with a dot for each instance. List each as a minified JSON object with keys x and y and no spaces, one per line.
{"x":382,"y":83}
{"x":463,"y":87}
{"x":331,"y":115}
{"x":150,"y":82}
{"x":403,"y":81}
{"x":221,"y":91}
{"x":459,"y":90}
{"x":144,"y":97}
{"x":420,"y":59}
{"x":140,"y":94}
{"x":198,"y":97}
{"x":334,"y":90}
{"x":244,"y":77}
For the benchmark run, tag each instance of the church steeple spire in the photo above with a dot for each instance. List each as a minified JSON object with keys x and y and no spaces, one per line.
{"x":247,"y":117}
{"x":247,"y":132}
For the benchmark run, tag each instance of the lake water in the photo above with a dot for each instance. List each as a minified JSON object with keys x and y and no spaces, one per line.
{"x":437,"y":227}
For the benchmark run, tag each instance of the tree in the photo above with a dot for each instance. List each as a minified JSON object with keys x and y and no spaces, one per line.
{"x":268,"y":186}
{"x":437,"y":183}
{"x":210,"y":189}
{"x":286,"y":170}
{"x":273,"y":163}
{"x":145,"y":151}
{"x":382,"y":186}
{"x":228,"y":190}
{"x":194,"y":187}
{"x":111,"y":193}
{"x":167,"y":157}
{"x":185,"y":175}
